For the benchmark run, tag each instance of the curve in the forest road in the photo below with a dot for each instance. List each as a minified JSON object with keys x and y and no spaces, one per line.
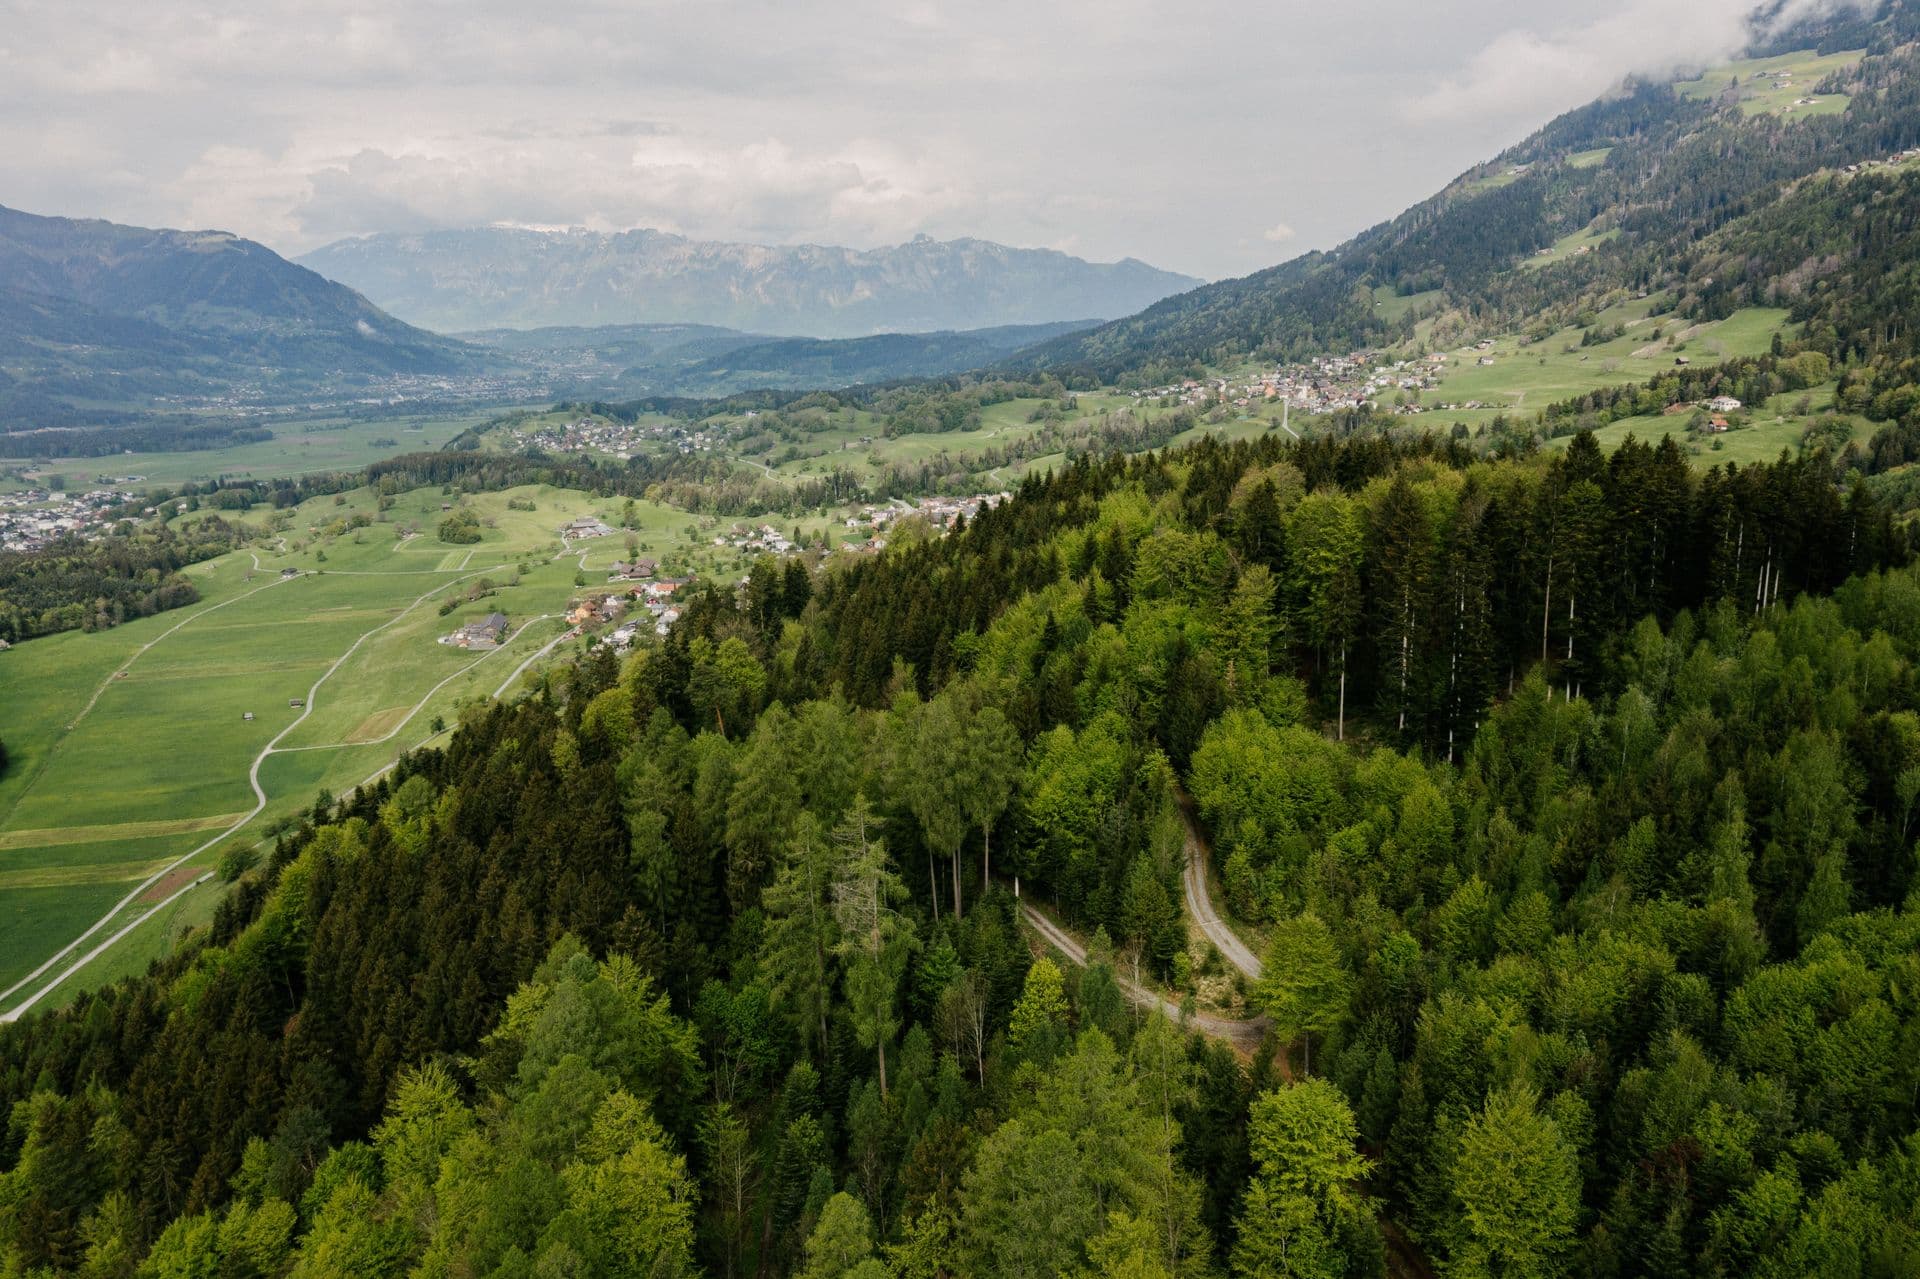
{"x":1404,"y":1258}
{"x":1244,"y":1036}
{"x":1200,"y":899}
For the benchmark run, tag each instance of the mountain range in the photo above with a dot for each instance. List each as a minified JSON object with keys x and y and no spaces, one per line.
{"x":498,"y":277}
{"x":704,"y":361}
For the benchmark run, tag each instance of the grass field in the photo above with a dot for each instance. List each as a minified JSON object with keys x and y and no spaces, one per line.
{"x":1525,"y":377}
{"x":1776,"y":86}
{"x":1778,"y":424}
{"x":131,"y":748}
{"x":298,"y":447}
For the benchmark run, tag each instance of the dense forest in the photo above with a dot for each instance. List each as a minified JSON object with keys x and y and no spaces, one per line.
{"x":1571,"y":800}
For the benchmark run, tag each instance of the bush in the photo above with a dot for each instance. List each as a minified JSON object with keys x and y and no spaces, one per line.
{"x":460,"y":528}
{"x":236,"y":861}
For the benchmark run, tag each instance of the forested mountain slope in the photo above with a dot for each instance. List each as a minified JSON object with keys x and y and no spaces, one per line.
{"x":95,"y":311}
{"x":1648,"y":174}
{"x":1594,"y":937}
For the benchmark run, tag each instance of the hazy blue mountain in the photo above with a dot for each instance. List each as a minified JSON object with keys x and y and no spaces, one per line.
{"x":99,"y":312}
{"x":705,"y":360}
{"x":505,"y":278}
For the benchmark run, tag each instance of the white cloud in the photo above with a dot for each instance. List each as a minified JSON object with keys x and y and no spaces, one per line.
{"x":1523,"y":72}
{"x":1123,"y":127}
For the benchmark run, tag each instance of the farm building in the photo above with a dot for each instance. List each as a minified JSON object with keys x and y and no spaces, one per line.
{"x":585,"y":526}
{"x":488,"y":631}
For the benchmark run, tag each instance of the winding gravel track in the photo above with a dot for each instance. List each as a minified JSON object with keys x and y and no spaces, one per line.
{"x":1200,"y":899}
{"x":1243,"y":1035}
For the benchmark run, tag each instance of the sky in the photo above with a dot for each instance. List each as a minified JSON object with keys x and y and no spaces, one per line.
{"x":1207,"y":136}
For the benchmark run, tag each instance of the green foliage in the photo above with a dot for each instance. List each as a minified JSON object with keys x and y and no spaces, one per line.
{"x":1518,"y":1183}
{"x":460,"y":528}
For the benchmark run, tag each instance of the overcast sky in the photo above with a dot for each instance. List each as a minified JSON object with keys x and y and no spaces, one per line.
{"x":1208,"y":136}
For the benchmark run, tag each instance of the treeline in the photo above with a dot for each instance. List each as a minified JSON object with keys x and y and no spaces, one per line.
{"x":76,"y":585}
{"x":160,"y":436}
{"x":1403,"y":575}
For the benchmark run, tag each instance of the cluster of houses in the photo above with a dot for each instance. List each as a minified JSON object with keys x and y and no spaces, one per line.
{"x":942,"y":513}
{"x":1898,"y":157}
{"x":584,"y":527}
{"x":34,"y":518}
{"x":616,"y":439}
{"x":766,"y":538}
{"x":655,"y":608}
{"x":1326,"y":384}
{"x":489,"y":632}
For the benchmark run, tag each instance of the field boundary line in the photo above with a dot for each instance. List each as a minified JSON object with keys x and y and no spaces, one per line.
{"x":107,"y":683}
{"x":260,"y":803}
{"x":418,"y":706}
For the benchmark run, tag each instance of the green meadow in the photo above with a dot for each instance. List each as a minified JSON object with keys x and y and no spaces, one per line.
{"x":132,"y":748}
{"x":1525,"y":376}
{"x":1760,"y":435}
{"x":1780,"y":85}
{"x":299,"y":446}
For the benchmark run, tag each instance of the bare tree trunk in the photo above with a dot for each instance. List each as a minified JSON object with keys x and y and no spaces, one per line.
{"x":933,"y":889}
{"x":986,"y":856}
{"x":956,"y":881}
{"x":1343,"y":691}
{"x":1406,"y":638}
{"x":1546,"y":611}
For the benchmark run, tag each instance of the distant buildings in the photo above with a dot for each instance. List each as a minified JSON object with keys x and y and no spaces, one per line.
{"x":585,"y":526}
{"x":37,"y":517}
{"x":488,"y":632}
{"x":632,"y":570}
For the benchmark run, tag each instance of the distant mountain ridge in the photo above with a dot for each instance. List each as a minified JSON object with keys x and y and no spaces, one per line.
{"x":96,"y":311}
{"x":497,"y":277}
{"x":693,"y":360}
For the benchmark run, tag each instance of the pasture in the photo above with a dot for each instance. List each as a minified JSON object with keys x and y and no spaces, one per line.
{"x":1525,"y":376}
{"x":179,"y":734}
{"x":1780,"y":85}
{"x":300,"y":446}
{"x":1765,"y":429}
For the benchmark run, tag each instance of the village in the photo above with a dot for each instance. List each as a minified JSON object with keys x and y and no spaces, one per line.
{"x":615,"y":439}
{"x":1326,"y":384}
{"x":31,"y":519}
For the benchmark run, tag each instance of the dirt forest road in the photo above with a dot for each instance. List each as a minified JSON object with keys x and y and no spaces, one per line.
{"x":1200,"y":900}
{"x":1244,"y":1036}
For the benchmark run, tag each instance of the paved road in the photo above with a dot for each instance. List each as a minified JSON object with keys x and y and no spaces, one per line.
{"x":550,"y":645}
{"x":1200,"y":899}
